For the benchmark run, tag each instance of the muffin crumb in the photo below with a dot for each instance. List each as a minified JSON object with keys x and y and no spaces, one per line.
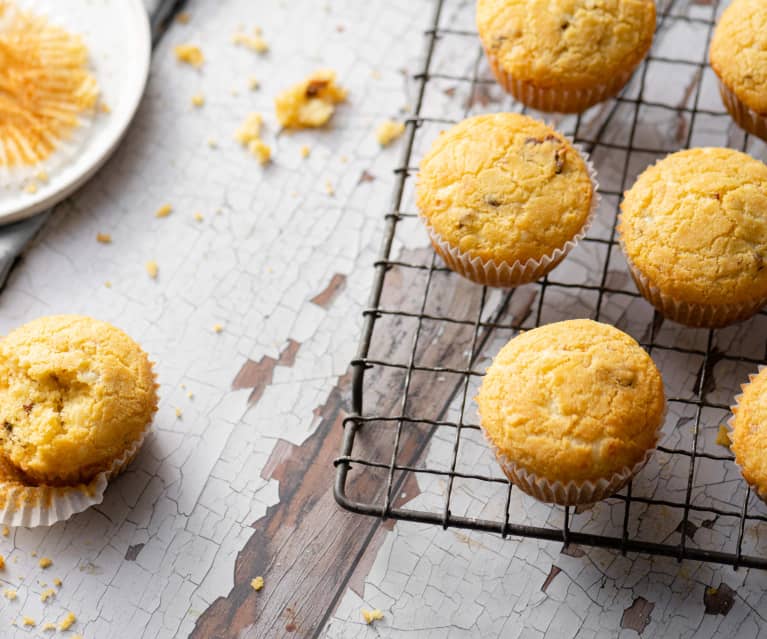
{"x":10,"y":594}
{"x":189,"y":54}
{"x":198,"y":217}
{"x":310,"y":103}
{"x":46,"y":594}
{"x":68,"y":621}
{"x":103,"y":238}
{"x":218,"y":328}
{"x":371,"y":615}
{"x":179,"y":413}
{"x":257,"y":583}
{"x":48,"y":625}
{"x":6,"y":531}
{"x":28,"y":621}
{"x":164,"y":211}
{"x":198,"y":100}
{"x":184,"y":17}
{"x":253,"y":83}
{"x":57,"y":582}
{"x":253,"y":42}
{"x":45,"y":562}
{"x":152,"y":269}
{"x":723,"y":436}
{"x":305,"y":151}
{"x":389,"y":131}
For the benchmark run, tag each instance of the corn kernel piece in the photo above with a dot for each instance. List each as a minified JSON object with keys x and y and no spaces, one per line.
{"x":44,"y":562}
{"x":389,"y":131}
{"x":257,"y":583}
{"x":151,"y":269}
{"x":189,"y":54}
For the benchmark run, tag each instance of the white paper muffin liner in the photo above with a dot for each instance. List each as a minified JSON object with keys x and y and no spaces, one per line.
{"x":505,"y":275}
{"x":555,"y":99}
{"x":43,"y":505}
{"x":745,"y":117}
{"x":573,"y":493}
{"x":15,"y":177}
{"x":731,"y":431}
{"x":689,"y":313}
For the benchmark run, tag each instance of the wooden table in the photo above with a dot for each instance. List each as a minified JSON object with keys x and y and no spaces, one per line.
{"x":239,"y":485}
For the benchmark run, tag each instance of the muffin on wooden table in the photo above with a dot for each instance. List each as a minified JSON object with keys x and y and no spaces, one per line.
{"x":565,"y":55}
{"x":504,"y":198}
{"x":739,"y":59}
{"x":694,"y":231}
{"x":77,"y":397}
{"x":572,"y":409}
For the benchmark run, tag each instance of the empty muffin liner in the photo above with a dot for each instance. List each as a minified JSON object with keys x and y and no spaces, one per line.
{"x":746,"y":118}
{"x":572,"y":493}
{"x":556,"y":99}
{"x":689,"y":313}
{"x":760,"y":492}
{"x":503,"y":274}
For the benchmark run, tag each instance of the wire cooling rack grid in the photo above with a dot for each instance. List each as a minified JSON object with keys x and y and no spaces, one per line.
{"x":690,"y":501}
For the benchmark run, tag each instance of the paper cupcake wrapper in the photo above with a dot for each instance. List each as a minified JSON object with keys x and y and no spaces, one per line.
{"x":745,"y":117}
{"x":572,"y":493}
{"x":503,"y":274}
{"x":43,"y":505}
{"x":731,"y":431}
{"x":17,"y":176}
{"x":554,"y":99}
{"x":689,"y":313}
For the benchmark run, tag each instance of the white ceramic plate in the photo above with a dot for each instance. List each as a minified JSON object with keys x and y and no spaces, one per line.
{"x":118,"y":39}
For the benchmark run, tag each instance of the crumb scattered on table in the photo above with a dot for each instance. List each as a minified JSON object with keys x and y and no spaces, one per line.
{"x":164,"y":211}
{"x":46,"y":594}
{"x":184,"y":17}
{"x":6,"y":531}
{"x":372,"y":615}
{"x":329,"y":188}
{"x":152,"y":269}
{"x":257,"y":583}
{"x":48,"y":626}
{"x":305,"y":151}
{"x":212,"y":143}
{"x":31,"y":187}
{"x":198,"y":100}
{"x":190,"y":395}
{"x":57,"y":582}
{"x":253,"y":83}
{"x":45,"y":562}
{"x":250,"y":129}
{"x":260,"y":150}
{"x":723,"y":436}
{"x":198,"y":217}
{"x":68,"y":621}
{"x":28,"y":621}
{"x":217,"y":328}
{"x":2,"y":562}
{"x":42,"y":176}
{"x":253,"y":42}
{"x":189,"y":54}
{"x":179,"y":413}
{"x":108,"y":284}
{"x":104,"y":238}
{"x":10,"y":594}
{"x":309,"y":103}
{"x":389,"y":131}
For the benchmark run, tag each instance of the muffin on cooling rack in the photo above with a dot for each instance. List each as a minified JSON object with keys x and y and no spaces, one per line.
{"x":749,"y":432}
{"x":504,"y":198}
{"x":739,"y":59}
{"x":572,"y":410}
{"x":694,"y":231}
{"x":77,"y":397}
{"x":565,"y":55}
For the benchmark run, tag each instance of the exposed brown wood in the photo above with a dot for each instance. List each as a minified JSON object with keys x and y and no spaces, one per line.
{"x":330,"y":292}
{"x":555,"y":570}
{"x":637,"y":616}
{"x":258,"y":375}
{"x":305,"y":547}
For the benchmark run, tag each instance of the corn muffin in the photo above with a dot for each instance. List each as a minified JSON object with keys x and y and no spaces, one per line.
{"x":565,"y":55}
{"x":504,"y":198}
{"x":739,"y":58}
{"x":694,"y":231}
{"x":572,"y":410}
{"x":75,"y":395}
{"x":749,"y":432}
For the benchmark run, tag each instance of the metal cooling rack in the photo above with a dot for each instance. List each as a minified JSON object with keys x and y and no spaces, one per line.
{"x":735,"y":514}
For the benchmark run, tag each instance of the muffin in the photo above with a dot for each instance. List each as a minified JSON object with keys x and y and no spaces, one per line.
{"x":572,"y":410}
{"x":504,"y":198}
{"x":694,"y":231}
{"x":565,"y":55}
{"x":749,"y":432}
{"x":739,"y":58}
{"x":77,"y":396}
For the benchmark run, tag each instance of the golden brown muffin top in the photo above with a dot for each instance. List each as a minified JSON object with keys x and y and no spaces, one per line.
{"x":695,"y":224}
{"x":504,"y":187}
{"x":739,"y":52}
{"x":75,"y":393}
{"x":749,"y":435}
{"x":566,"y":43}
{"x":572,"y":401}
